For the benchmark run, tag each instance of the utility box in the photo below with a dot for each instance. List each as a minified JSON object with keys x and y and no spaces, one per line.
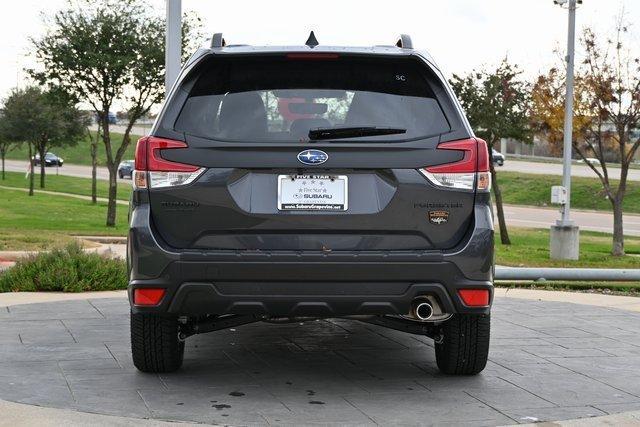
{"x":558,"y":195}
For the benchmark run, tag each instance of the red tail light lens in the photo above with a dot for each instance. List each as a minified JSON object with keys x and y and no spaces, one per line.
{"x":161,"y":172}
{"x":474,"y":297}
{"x":469,"y":162}
{"x":141,"y":154}
{"x":148,"y":296}
{"x":483,"y":155}
{"x":467,"y":174}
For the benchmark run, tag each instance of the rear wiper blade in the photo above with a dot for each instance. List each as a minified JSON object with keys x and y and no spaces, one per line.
{"x":352,"y":132}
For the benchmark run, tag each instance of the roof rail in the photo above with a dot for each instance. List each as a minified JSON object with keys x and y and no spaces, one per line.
{"x":217,"y":41}
{"x":404,"y":42}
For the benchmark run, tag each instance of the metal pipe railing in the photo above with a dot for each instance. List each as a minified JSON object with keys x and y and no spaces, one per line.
{"x":568,"y":274}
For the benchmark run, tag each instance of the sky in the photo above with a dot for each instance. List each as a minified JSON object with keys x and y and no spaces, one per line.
{"x":461,"y":35}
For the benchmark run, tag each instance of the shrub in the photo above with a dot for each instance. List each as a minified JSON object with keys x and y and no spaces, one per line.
{"x":65,"y":270}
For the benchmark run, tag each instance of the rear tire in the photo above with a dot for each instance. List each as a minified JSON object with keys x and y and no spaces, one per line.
{"x":154,"y":343}
{"x":464,"y":346}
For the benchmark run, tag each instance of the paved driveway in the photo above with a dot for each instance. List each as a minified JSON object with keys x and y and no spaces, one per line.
{"x":549,"y":360}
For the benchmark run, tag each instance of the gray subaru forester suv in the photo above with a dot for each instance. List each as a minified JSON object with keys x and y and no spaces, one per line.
{"x":284,"y":184}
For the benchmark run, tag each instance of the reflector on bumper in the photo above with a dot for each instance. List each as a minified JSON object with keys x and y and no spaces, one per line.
{"x":474,"y":297}
{"x":148,"y":296}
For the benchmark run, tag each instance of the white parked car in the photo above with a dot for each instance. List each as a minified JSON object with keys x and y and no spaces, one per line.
{"x":590,"y":160}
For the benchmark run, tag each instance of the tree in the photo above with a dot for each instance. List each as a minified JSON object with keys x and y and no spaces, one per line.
{"x":497,"y":105}
{"x":107,"y":52}
{"x":94,"y":162}
{"x":42,"y":120}
{"x":606,"y":113}
{"x":547,"y":108}
{"x":6,"y":144}
{"x":611,"y":74}
{"x":65,"y":124}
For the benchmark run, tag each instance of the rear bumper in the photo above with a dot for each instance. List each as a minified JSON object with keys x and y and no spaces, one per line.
{"x":288,"y":283}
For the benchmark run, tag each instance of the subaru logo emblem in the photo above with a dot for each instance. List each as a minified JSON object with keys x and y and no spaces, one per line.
{"x":312,"y":157}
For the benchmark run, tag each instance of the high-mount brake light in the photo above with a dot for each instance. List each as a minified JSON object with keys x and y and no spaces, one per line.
{"x":316,"y":56}
{"x":469,"y":173}
{"x":152,"y":171}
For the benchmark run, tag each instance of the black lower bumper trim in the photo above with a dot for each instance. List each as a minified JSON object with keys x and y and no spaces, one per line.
{"x":311,"y":299}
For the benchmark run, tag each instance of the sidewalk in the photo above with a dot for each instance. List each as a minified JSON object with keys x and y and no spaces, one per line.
{"x":599,"y":300}
{"x":17,"y":415}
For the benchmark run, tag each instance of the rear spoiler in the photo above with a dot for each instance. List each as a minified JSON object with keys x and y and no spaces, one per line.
{"x":404,"y":41}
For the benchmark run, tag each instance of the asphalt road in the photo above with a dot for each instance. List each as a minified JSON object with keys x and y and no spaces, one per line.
{"x":79,"y":171}
{"x":533,"y":217}
{"x":541,"y":168}
{"x":520,"y":216}
{"x":138,"y":130}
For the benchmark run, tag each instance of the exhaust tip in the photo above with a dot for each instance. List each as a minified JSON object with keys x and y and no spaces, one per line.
{"x":423,"y":311}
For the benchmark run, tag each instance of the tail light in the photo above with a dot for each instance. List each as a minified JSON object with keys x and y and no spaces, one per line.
{"x":470,"y":173}
{"x":152,"y":171}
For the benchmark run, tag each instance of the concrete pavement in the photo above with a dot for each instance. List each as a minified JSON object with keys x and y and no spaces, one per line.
{"x":549,"y":361}
{"x":19,"y":415}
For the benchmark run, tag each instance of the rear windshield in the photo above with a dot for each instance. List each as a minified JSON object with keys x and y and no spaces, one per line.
{"x":285,"y":99}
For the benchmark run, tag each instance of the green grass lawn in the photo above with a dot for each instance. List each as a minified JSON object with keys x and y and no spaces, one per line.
{"x":41,"y":220}
{"x":586,"y":193}
{"x":80,"y":154}
{"x":530,"y":248}
{"x":31,"y":240}
{"x":65,"y":184}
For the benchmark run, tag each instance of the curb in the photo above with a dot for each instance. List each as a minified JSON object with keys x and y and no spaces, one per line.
{"x":104,"y":239}
{"x":19,"y":298}
{"x":622,"y":419}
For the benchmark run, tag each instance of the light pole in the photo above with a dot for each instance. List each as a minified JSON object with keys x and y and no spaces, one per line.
{"x":173,"y":40}
{"x":565,"y":236}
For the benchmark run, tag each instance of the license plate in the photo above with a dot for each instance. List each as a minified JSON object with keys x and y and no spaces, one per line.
{"x":312,"y":193}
